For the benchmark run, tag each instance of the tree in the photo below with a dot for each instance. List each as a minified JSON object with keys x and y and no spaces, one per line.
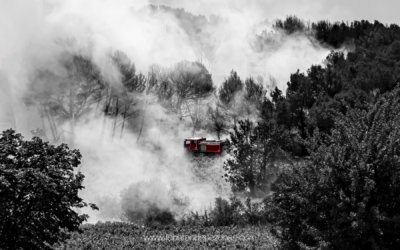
{"x":38,"y":192}
{"x":229,"y":88}
{"x":191,"y":80}
{"x":217,"y":120}
{"x":290,"y":25}
{"x":225,"y":212}
{"x":253,"y":150}
{"x":229,"y":98}
{"x":254,"y":92}
{"x":347,"y":196}
{"x":270,"y":142}
{"x":131,"y":81}
{"x":281,"y":108}
{"x":120,"y":101}
{"x":191,"y":83}
{"x":241,"y":172}
{"x":68,"y":94}
{"x":252,"y":98}
{"x":159,"y":84}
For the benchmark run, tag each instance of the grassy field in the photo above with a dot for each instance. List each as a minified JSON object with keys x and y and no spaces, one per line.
{"x":128,"y":236}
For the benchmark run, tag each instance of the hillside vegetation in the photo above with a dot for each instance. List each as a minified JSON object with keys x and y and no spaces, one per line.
{"x":314,"y":167}
{"x":127,"y":236}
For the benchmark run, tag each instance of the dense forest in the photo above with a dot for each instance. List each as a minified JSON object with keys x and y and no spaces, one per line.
{"x":318,"y":161}
{"x":339,"y":124}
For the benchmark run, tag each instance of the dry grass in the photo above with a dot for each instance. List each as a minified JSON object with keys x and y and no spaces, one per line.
{"x":129,"y":236}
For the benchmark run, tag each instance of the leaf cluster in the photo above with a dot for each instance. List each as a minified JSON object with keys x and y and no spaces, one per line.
{"x":39,"y":189}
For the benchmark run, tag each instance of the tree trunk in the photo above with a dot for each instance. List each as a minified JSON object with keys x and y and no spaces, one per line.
{"x":106,"y":110}
{"x":52,"y":124}
{"x":43,"y":122}
{"x":141,"y":128}
{"x":123,"y":121}
{"x":179,"y":108}
{"x":116,"y":117}
{"x":142,"y":122}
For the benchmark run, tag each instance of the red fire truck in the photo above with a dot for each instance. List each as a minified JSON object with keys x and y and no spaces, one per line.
{"x":202,"y":145}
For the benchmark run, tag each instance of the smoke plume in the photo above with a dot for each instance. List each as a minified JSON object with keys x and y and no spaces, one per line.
{"x":130,"y":171}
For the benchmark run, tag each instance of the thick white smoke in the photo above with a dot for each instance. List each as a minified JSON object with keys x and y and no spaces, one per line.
{"x":35,"y":34}
{"x":156,"y":163}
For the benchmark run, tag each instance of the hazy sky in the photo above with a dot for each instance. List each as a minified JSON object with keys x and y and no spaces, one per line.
{"x":386,"y":11}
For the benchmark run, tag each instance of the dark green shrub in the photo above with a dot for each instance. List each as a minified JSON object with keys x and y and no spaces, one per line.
{"x":159,"y":217}
{"x":226,"y":213}
{"x":38,"y":192}
{"x":348,"y":195}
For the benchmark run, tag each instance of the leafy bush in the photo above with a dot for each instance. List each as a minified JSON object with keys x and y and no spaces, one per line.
{"x":144,"y":201}
{"x":254,"y":212}
{"x":348,"y":195}
{"x":38,"y":192}
{"x":226,"y":213}
{"x":158,"y":217}
{"x":254,"y":152}
{"x":236,"y":212}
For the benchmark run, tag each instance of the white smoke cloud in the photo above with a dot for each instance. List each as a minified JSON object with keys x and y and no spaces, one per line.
{"x":113,"y":165}
{"x":36,"y":33}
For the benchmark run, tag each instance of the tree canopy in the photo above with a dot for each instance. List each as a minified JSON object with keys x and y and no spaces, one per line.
{"x":347,"y":196}
{"x":39,"y":189}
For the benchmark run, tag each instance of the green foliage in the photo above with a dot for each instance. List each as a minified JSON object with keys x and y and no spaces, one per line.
{"x":230,"y":87}
{"x":254,"y":92}
{"x":38,"y":192}
{"x":218,"y":121}
{"x":347,"y":196}
{"x":254,"y":212}
{"x":314,"y":98}
{"x":159,"y":84}
{"x":361,"y":32}
{"x":300,"y":96}
{"x":157,"y":217}
{"x":182,"y":88}
{"x":131,"y":81}
{"x":66,"y":95}
{"x":191,"y":80}
{"x":333,"y":34}
{"x":226,"y":213}
{"x":290,"y":25}
{"x":232,"y":212}
{"x":241,"y":169}
{"x":254,"y":150}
